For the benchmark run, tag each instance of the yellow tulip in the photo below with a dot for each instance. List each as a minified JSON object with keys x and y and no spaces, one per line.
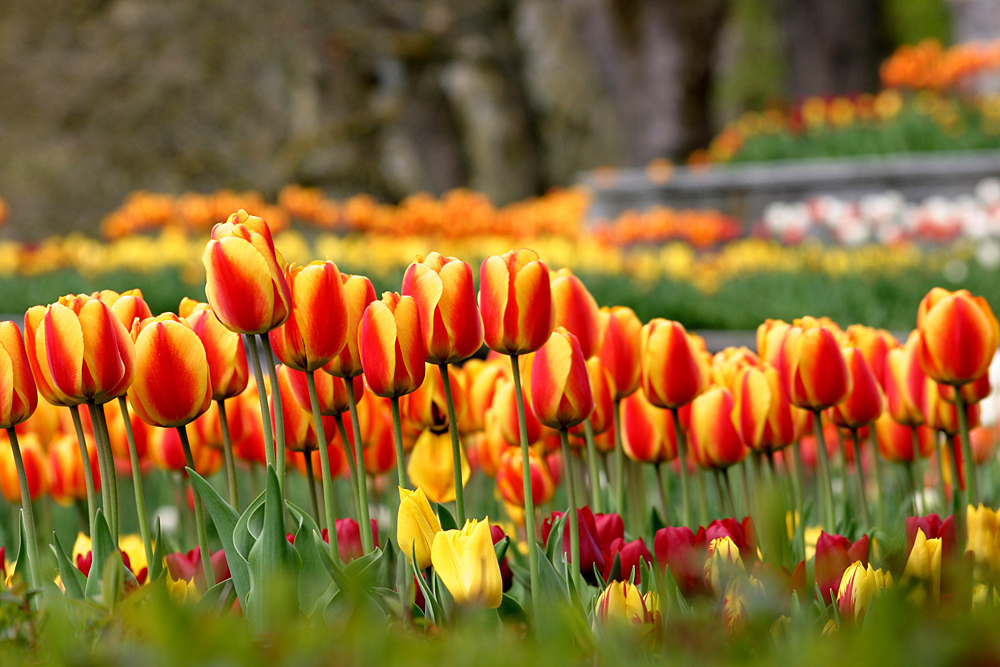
{"x":723,"y":563}
{"x":924,"y":563}
{"x":180,"y":590}
{"x":432,"y":467}
{"x":858,"y":587}
{"x":467,"y":564}
{"x":984,"y":542}
{"x":621,"y":602}
{"x":416,"y":526}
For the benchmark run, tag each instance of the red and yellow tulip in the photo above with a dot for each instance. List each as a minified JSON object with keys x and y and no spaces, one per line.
{"x":515,"y":296}
{"x":390,"y":345}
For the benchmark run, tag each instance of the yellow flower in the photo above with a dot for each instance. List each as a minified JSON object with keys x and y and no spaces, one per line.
{"x":811,"y":537}
{"x":858,"y":587}
{"x":467,"y":564}
{"x":984,"y":542}
{"x":621,"y":602}
{"x":180,"y":590}
{"x":723,"y":563}
{"x":432,"y":468}
{"x":416,"y":526}
{"x":924,"y":563}
{"x":132,"y":546}
{"x":81,"y":547}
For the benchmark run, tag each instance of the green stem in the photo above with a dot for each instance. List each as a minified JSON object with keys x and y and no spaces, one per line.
{"x":351,"y":465}
{"x":140,"y":497}
{"x":748,"y":507}
{"x":595,"y":477}
{"x":941,"y":446}
{"x":879,"y":489}
{"x":574,"y":527}
{"x":397,"y":435}
{"x":822,"y":460}
{"x":663,"y":483}
{"x":456,"y":447}
{"x":911,"y":477}
{"x":359,"y":453}
{"x":265,"y":411}
{"x":311,"y":482}
{"x":88,"y":473}
{"x":329,"y":517}
{"x":798,"y":479}
{"x":717,"y":478}
{"x":529,"y":500}
{"x":682,"y":459}
{"x":702,"y":497}
{"x":106,"y":464}
{"x":971,"y":483}
{"x":199,"y":513}
{"x":859,"y":472}
{"x":616,"y":417}
{"x":279,"y":417}
{"x":227,"y":448}
{"x":34,"y":564}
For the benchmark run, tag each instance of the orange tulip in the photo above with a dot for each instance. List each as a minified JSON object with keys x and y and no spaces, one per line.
{"x":300,"y":429}
{"x":426,"y":408}
{"x":771,"y":336}
{"x":576,"y":311}
{"x":392,"y":353}
{"x":818,"y":374}
{"x":46,"y":422}
{"x":505,"y":405}
{"x":674,"y":369}
{"x":78,"y":351}
{"x":712,"y":433}
{"x":451,"y":328}
{"x":762,"y":413}
{"x":511,"y":484}
{"x":126,"y":306}
{"x":959,"y":335}
{"x":119,"y":438}
{"x":335,"y":452}
{"x":167,"y":453}
{"x":35,"y":468}
{"x":865,"y":402}
{"x":895,"y":441}
{"x":483,"y":378}
{"x":66,"y":476}
{"x":728,"y":364}
{"x":490,"y":445}
{"x":227,"y":358}
{"x":648,"y":434}
{"x":380,"y":450}
{"x":316,"y":330}
{"x":560,"y":388}
{"x":941,"y":415}
{"x":244,"y":274}
{"x":359,"y":293}
{"x":874,"y":345}
{"x":621,"y":332}
{"x":515,"y":295}
{"x":173,"y":384}
{"x":972,"y":392}
{"x":249,"y":448}
{"x":330,"y":391}
{"x":602,"y":388}
{"x":905,"y":383}
{"x":18,"y":395}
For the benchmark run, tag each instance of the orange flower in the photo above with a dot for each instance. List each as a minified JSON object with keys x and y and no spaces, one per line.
{"x":762,"y":413}
{"x":18,"y":395}
{"x":227,"y":358}
{"x":648,"y":434}
{"x":316,"y":330}
{"x":865,"y":402}
{"x":66,"y":476}
{"x":515,"y":295}
{"x":874,"y":345}
{"x":972,"y":392}
{"x":674,"y":369}
{"x":490,"y":445}
{"x":392,"y":353}
{"x":337,"y":458}
{"x":576,"y":311}
{"x":511,"y":483}
{"x":331,"y":391}
{"x":818,"y":374}
{"x":426,"y":408}
{"x":959,"y":335}
{"x":713,"y":435}
{"x":244,"y":276}
{"x":126,"y":306}
{"x":895,"y":441}
{"x":35,"y":468}
{"x":359,"y":293}
{"x":300,"y":430}
{"x":905,"y":382}
{"x":560,"y":388}
{"x":78,"y":351}
{"x":941,"y":415}
{"x":483,"y":378}
{"x":451,"y":327}
{"x":621,"y":331}
{"x":602,"y":388}
{"x":173,"y":384}
{"x":505,"y":406}
{"x":167,"y":453}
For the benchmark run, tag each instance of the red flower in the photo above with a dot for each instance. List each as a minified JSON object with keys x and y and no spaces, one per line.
{"x":683,"y":552}
{"x":834,"y":553}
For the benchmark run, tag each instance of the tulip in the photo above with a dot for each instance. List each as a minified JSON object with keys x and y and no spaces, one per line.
{"x":730,"y":363}
{"x":127,"y":306}
{"x":167,"y":453}
{"x":834,"y":553}
{"x":589,"y":552}
{"x":771,"y":339}
{"x":712,"y":431}
{"x":623,"y":603}
{"x":924,"y":564}
{"x":859,"y":585}
{"x":972,"y":392}
{"x":742,"y":534}
{"x":933,"y":528}
{"x":629,"y":554}
{"x":576,"y":311}
{"x":647,"y":431}
{"x":902,"y":444}
{"x":943,"y":416}
{"x":762,"y":412}
{"x":36,"y":469}
{"x":600,"y":421}
{"x":483,"y":379}
{"x":874,"y":345}
{"x":723,"y":563}
{"x":983,"y":542}
{"x":244,"y":274}
{"x":192,"y":566}
{"x":621,"y":333}
{"x":467,"y":564}
{"x":497,"y":534}
{"x":67,"y":474}
{"x":683,"y":552}
{"x":416,"y":527}
{"x":510,"y":478}
{"x":515,"y":296}
{"x":315,"y":331}
{"x":506,"y":407}
{"x":431,"y":466}
{"x":490,"y":446}
{"x":735,"y":614}
{"x":905,"y":383}
{"x":610,"y":527}
{"x":330,"y":390}
{"x":349,"y":538}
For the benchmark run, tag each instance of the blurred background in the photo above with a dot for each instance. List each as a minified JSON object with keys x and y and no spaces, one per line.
{"x":666,"y":148}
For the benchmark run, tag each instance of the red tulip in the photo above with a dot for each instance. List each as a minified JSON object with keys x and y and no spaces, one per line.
{"x":126,"y":306}
{"x":331,"y":391}
{"x":511,"y":484}
{"x":934,"y":528}
{"x":712,"y":433}
{"x":591,"y":553}
{"x":505,"y":406}
{"x":483,"y":379}
{"x":392,"y":353}
{"x":621,"y":332}
{"x":834,"y":553}
{"x":227,"y":357}
{"x":874,"y":345}
{"x":35,"y":468}
{"x":762,"y":413}
{"x":683,"y":552}
{"x":629,"y":554}
{"x":497,"y":534}
{"x":66,"y":474}
{"x":864,"y":403}
{"x":905,"y":383}
{"x":360,"y":293}
{"x":300,"y":429}
{"x":959,"y":335}
{"x":576,"y":311}
{"x":188,"y":566}
{"x":674,"y":369}
{"x":941,"y":415}
{"x":560,"y":387}
{"x":610,"y":527}
{"x":648,"y":434}
{"x":515,"y":295}
{"x":818,"y":374}
{"x":742,"y":533}
{"x":316,"y":330}
{"x":895,"y":441}
{"x":972,"y":392}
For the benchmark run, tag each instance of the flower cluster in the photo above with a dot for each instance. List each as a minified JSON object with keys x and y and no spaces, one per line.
{"x":929,"y":65}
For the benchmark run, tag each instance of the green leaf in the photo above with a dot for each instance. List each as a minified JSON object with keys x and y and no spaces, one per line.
{"x":72,"y":578}
{"x":273,"y":562}
{"x":225,"y":519}
{"x":100,"y":547}
{"x":243,"y":537}
{"x":549,"y":581}
{"x":432,"y":606}
{"x":446,"y":518}
{"x":333,"y":568}
{"x":511,"y":610}
{"x":112,"y":578}
{"x":219,"y":598}
{"x":615,"y":574}
{"x":22,"y":547}
{"x":501,"y":547}
{"x":159,"y":551}
{"x":314,"y":578}
{"x":645,"y":576}
{"x":555,"y":537}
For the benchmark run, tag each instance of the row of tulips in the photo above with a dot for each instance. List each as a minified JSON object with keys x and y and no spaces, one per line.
{"x":562,"y":374}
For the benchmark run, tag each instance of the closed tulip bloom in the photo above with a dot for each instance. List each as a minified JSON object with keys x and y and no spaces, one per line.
{"x":431,"y":466}
{"x":771,"y":336}
{"x":959,"y":335}
{"x":933,"y":527}
{"x":392,"y":353}
{"x":173,"y":384}
{"x":859,"y":586}
{"x":505,"y":405}
{"x":451,"y":328}
{"x":360,"y":293}
{"x":78,"y":352}
{"x":674,"y":371}
{"x":983,"y":542}
{"x":316,"y":330}
{"x":425,"y":406}
{"x":972,"y":392}
{"x":743,"y":534}
{"x":467,"y":564}
{"x":511,"y":484}
{"x":603,"y":390}
{"x":379,"y":448}
{"x":67,"y":483}
{"x":621,"y":332}
{"x":167,"y":453}
{"x":648,"y":434}
{"x":35,"y":468}
{"x":126,"y":306}
{"x":490,"y":445}
{"x":300,"y":429}
{"x":576,"y":310}
{"x":818,"y":374}
{"x":924,"y":564}
{"x":227,"y":358}
{"x":629,"y":555}
{"x":335,"y":454}
{"x":905,"y":383}
{"x":18,"y":394}
{"x":762,"y":413}
{"x":245,"y":276}
{"x":874,"y":345}
{"x":712,"y":432}
{"x":623,"y":603}
{"x":416,"y":526}
{"x":249,"y":448}
{"x":729,"y":364}
{"x":683,"y":552}
{"x":941,"y":415}
{"x":483,"y":378}
{"x":331,"y":392}
{"x":864,"y":403}
{"x":140,"y":434}
{"x":834,"y":553}
{"x":895,"y":441}
{"x":560,"y":387}
{"x":591,"y":549}
{"x":515,"y":296}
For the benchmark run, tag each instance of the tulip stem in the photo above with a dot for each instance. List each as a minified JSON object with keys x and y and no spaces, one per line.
{"x":971,"y":484}
{"x":199,"y":512}
{"x":352,"y":466}
{"x":279,"y":416}
{"x":911,"y":476}
{"x":702,"y":497}
{"x":727,"y":484}
{"x":397,"y":436}
{"x":227,"y":446}
{"x":595,"y":476}
{"x":311,"y":481}
{"x":456,"y":447}
{"x":745,"y":480}
{"x":329,"y":517}
{"x":822,"y":459}
{"x":717,"y":478}
{"x":798,"y":482}
{"x":88,"y":472}
{"x":359,"y":454}
{"x":616,"y":417}
{"x":265,"y":412}
{"x":107,"y":467}
{"x":34,"y":564}
{"x":880,"y":517}
{"x":663,"y":483}
{"x":574,"y":520}
{"x":940,"y":451}
{"x":528,"y":492}
{"x":682,"y":460}
{"x":859,"y":473}
{"x":140,"y":496}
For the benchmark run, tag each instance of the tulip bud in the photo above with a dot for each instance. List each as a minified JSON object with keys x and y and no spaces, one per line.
{"x":505,"y":406}
{"x":924,"y":563}
{"x":591,"y":548}
{"x":818,"y":374}
{"x":858,"y":587}
{"x":722,"y":564}
{"x":648,"y":434}
{"x":623,"y":603}
{"x":467,"y":564}
{"x":983,"y":542}
{"x":629,"y":555}
{"x":933,"y":528}
{"x":515,"y":296}
{"x":126,"y":306}
{"x":432,"y":468}
{"x":834,"y":553}
{"x":874,"y":345}
{"x":972,"y":392}
{"x":300,"y":428}
{"x":392,"y":353}
{"x":316,"y":330}
{"x":360,"y":293}
{"x":416,"y":526}
{"x":335,"y":455}
{"x":895,"y":441}
{"x":621,"y":331}
{"x":451,"y":328}
{"x":349,"y":538}
{"x":959,"y":335}
{"x":511,"y":484}
{"x":483,"y":379}
{"x":227,"y":357}
{"x":331,"y":391}
{"x":674,"y":371}
{"x":425,"y":406}
{"x":560,"y":387}
{"x":683,"y":552}
{"x":864,"y":403}
{"x":244,"y":275}
{"x":941,"y":415}
{"x":167,"y":453}
{"x":762,"y":412}
{"x":35,"y":469}
{"x":712,"y":434}
{"x":576,"y":310}
{"x":905,"y":383}
{"x":730,"y":363}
